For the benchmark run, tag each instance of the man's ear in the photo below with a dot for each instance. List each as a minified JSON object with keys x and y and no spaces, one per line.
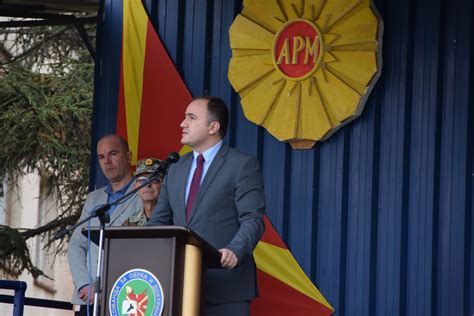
{"x":215,"y":126}
{"x":129,"y":156}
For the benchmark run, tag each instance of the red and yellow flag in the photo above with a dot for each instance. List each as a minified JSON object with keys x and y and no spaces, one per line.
{"x":152,"y":100}
{"x":152,"y":96}
{"x":284,"y":287}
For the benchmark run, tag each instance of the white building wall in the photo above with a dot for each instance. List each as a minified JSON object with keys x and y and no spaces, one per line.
{"x":22,"y":209}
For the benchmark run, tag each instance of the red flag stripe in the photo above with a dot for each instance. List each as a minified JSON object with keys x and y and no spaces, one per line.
{"x":164,"y":100}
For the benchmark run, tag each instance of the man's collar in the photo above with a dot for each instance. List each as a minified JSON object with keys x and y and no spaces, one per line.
{"x":108,"y":189}
{"x":210,"y":151}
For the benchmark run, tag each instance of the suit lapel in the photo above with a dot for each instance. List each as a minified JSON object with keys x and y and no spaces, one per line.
{"x":211,"y":173}
{"x":101,"y":200}
{"x":122,"y":209}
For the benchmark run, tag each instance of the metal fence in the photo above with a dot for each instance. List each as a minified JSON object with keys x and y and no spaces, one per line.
{"x":19,"y":300}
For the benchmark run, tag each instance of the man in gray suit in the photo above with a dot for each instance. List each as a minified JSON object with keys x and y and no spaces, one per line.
{"x":217,"y":192}
{"x":114,"y":160}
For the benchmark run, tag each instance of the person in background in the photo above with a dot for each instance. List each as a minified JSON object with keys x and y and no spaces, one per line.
{"x":148,"y":194}
{"x":114,"y":159}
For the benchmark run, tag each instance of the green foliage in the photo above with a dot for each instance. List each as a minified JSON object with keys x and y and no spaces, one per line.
{"x":14,"y":248}
{"x":45,"y":127}
{"x":42,"y":48}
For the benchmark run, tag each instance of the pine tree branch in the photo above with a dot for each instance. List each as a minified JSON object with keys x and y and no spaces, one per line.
{"x":33,"y":48}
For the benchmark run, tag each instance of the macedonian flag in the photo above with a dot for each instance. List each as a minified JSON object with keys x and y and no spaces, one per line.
{"x":152,"y":96}
{"x":152,"y":100}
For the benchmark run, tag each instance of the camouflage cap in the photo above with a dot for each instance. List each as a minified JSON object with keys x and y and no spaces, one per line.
{"x":148,"y":165}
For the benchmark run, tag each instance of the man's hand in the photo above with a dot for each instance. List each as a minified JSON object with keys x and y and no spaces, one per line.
{"x":228,"y":259}
{"x":87,"y":292}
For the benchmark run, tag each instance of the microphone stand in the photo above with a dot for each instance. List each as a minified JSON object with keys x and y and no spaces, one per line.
{"x":102,"y":213}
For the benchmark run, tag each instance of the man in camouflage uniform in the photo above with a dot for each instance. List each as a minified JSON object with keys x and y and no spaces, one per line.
{"x":149,"y":194}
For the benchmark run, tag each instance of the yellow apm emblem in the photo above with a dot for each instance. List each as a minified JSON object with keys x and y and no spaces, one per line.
{"x":303,"y":69}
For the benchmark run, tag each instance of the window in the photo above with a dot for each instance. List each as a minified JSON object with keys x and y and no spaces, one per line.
{"x":44,"y":258}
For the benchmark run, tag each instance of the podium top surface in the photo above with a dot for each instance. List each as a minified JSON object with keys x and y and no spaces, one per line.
{"x":185,"y":235}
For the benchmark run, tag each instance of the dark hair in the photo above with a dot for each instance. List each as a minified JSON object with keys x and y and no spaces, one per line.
{"x":217,"y":111}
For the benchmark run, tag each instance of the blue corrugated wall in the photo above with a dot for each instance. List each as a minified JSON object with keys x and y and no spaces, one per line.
{"x":379,"y":215}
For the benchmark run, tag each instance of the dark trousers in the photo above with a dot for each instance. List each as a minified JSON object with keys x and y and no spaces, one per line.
{"x":228,"y":309}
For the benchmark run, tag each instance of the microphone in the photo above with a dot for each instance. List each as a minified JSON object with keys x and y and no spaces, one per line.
{"x":173,"y":157}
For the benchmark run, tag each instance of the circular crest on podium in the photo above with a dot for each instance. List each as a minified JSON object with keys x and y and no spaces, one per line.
{"x":136,"y":292}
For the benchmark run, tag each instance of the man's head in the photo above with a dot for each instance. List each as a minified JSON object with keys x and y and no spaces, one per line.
{"x":145,"y":168}
{"x":114,"y":159}
{"x":205,"y":123}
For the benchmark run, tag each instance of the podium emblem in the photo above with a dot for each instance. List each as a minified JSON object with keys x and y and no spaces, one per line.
{"x":136,"y":292}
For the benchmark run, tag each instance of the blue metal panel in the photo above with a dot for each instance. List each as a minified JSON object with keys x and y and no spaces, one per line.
{"x":332,"y":222}
{"x":247,"y":134}
{"x":301,"y":223}
{"x":198,"y":19}
{"x":150,"y":7}
{"x":360,"y":211}
{"x":454,"y":150}
{"x":107,"y":79}
{"x":223,"y":16}
{"x":469,"y":279}
{"x":379,"y":215}
{"x":170,"y":28}
{"x":277,"y":181}
{"x":423,"y":181}
{"x":394,"y":130}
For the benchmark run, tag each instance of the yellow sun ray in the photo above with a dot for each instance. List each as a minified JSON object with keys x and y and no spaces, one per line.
{"x":338,"y":8}
{"x":351,"y":83}
{"x":343,"y":99}
{"x":285,"y":107}
{"x":316,"y":10}
{"x":247,"y":34}
{"x":329,"y":39}
{"x":344,"y":15}
{"x":332,"y":120}
{"x":359,"y":66}
{"x":314,"y":121}
{"x":266,"y":12}
{"x":282,"y":10}
{"x":299,"y":11}
{"x":323,"y":21}
{"x":247,"y":70}
{"x":371,"y":46}
{"x":362,"y":27}
{"x":323,"y":73}
{"x":296,"y":90}
{"x":273,"y":86}
{"x":329,"y":58}
{"x":293,"y":9}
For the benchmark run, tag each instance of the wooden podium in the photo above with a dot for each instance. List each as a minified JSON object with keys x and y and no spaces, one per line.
{"x":153,"y":259}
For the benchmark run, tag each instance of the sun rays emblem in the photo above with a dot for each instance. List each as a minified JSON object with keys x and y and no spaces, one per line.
{"x":303,"y":69}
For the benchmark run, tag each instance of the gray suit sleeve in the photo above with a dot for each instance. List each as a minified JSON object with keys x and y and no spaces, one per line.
{"x":250,"y":205}
{"x":77,"y":252}
{"x":162,"y":213}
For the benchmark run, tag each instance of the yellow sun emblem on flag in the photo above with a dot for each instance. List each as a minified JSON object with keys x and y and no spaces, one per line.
{"x":304,"y":68}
